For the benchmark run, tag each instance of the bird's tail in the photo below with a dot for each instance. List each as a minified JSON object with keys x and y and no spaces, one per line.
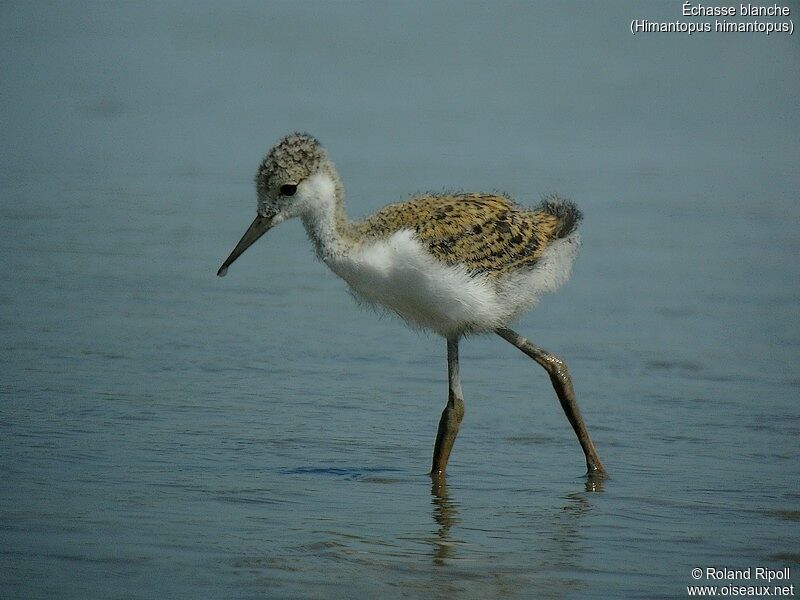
{"x":567,"y":213}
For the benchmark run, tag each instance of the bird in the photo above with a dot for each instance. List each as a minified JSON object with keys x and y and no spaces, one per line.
{"x":455,"y":264}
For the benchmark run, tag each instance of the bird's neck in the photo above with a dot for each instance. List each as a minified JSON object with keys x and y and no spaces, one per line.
{"x":325,"y":220}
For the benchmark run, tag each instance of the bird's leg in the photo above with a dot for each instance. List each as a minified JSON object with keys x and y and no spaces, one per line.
{"x":451,"y":415}
{"x":559,"y":376}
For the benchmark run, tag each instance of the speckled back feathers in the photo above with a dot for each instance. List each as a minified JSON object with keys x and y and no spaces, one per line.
{"x":483,"y":233}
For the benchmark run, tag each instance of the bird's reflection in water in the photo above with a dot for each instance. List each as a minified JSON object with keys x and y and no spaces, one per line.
{"x":445,"y":514}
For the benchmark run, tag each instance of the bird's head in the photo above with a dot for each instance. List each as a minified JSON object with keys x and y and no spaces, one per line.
{"x":293,"y":178}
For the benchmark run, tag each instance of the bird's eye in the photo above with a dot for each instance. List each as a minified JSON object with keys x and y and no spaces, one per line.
{"x":288,"y":189}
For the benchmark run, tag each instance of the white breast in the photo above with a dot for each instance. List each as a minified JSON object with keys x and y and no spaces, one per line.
{"x":399,"y":274}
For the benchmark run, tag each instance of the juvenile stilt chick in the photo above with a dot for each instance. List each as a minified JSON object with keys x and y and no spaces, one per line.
{"x":454,"y":264}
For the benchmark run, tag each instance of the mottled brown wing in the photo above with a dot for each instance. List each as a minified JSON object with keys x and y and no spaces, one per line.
{"x":484,"y":233}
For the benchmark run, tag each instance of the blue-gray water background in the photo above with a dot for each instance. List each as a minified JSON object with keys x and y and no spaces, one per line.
{"x":168,"y":434}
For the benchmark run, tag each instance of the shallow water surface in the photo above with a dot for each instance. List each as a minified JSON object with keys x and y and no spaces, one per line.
{"x":166,"y":433}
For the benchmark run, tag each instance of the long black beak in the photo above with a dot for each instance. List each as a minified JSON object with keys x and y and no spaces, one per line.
{"x":258,"y":227}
